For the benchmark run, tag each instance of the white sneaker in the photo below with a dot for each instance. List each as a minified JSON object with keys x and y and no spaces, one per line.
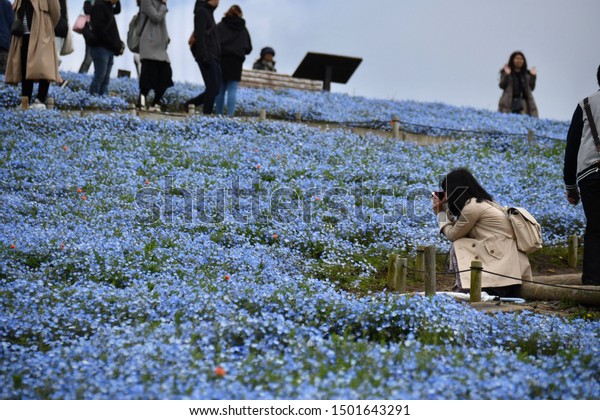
{"x":156,"y":108}
{"x":37,"y":105}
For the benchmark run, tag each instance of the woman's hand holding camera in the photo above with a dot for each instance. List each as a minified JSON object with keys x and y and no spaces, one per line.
{"x":439,"y":199}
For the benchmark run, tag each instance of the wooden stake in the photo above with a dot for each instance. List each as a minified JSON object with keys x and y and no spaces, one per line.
{"x":403,"y":264}
{"x":263,"y":114}
{"x":475,"y":289}
{"x":572,"y":258}
{"x":430,"y":271}
{"x":392,"y":272}
{"x":420,"y":264}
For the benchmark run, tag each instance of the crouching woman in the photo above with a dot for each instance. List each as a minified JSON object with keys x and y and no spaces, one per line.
{"x":480,"y":230}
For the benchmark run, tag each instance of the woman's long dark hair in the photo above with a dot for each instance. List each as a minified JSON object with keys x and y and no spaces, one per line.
{"x":460,"y":186}
{"x":512,"y":57}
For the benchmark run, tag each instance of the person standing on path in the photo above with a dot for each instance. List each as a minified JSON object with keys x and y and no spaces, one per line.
{"x":206,"y":49}
{"x":156,"y":73}
{"x":107,"y":43}
{"x":582,"y":178}
{"x":32,"y":56}
{"x":235,"y":46}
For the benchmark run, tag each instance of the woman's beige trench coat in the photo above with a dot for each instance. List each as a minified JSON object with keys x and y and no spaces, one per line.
{"x":483,"y":232}
{"x":42,"y":57}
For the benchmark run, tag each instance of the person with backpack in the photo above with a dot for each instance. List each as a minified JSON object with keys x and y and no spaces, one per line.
{"x":206,"y":49}
{"x":235,"y":46}
{"x":479,"y":229}
{"x":581,"y":174}
{"x":32,"y":55}
{"x":105,"y":42}
{"x":156,"y":73}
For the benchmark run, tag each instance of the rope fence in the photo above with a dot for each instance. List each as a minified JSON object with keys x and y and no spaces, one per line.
{"x":398,"y":126}
{"x":425,"y":271}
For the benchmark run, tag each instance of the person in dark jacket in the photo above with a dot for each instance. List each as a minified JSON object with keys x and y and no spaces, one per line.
{"x":106,"y":44}
{"x":206,"y":49}
{"x":235,"y":46}
{"x":7,"y":16}
{"x":582,"y":176}
{"x":265,"y":62}
{"x":517,"y":82}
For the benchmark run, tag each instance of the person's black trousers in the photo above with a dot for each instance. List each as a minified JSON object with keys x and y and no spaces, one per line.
{"x":590,"y":198}
{"x":211,"y":73}
{"x":27,"y":85}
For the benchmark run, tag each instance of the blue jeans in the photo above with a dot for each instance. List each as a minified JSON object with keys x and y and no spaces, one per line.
{"x":103,"y":62}
{"x":229,"y":86}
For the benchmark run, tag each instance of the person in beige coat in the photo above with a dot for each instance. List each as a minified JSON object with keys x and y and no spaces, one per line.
{"x":479,"y":229}
{"x":33,"y":56}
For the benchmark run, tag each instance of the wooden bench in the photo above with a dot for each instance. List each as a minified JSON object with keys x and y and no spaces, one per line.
{"x":268,"y":80}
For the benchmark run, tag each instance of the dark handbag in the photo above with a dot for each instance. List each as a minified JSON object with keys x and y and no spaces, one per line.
{"x":62,"y":28}
{"x":517,"y":105}
{"x":88,"y":34}
{"x":17,"y":28}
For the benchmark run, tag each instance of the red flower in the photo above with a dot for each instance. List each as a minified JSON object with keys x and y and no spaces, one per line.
{"x":62,"y":246}
{"x":275,"y":236}
{"x":13,"y":246}
{"x":83,"y":197}
{"x":65,"y":148}
{"x":146,"y":182}
{"x":219,"y":371}
{"x":258,"y":166}
{"x":79,"y":190}
{"x":227,"y":277}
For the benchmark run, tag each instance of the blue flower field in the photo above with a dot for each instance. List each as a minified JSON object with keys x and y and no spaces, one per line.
{"x":218,"y":258}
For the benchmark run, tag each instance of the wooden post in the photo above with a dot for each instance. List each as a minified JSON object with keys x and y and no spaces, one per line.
{"x":420,"y":264}
{"x":572,"y":259}
{"x":395,"y":127}
{"x":475,"y":289}
{"x":263,"y":114}
{"x":298,"y":116}
{"x":530,"y":139}
{"x":24,"y":102}
{"x":132,"y":109}
{"x":392,"y":271}
{"x":429,"y":270}
{"x":401,"y":285}
{"x":191,"y":109}
{"x":50,"y":103}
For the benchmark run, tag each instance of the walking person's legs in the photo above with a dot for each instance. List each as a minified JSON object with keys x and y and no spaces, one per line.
{"x":220,"y":99}
{"x":590,"y":198}
{"x":232,"y":86}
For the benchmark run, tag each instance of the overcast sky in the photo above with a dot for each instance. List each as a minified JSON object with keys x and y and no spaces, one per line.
{"x":448,"y":51}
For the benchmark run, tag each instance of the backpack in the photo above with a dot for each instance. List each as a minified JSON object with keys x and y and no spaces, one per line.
{"x":133,"y":35}
{"x":527,"y":231}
